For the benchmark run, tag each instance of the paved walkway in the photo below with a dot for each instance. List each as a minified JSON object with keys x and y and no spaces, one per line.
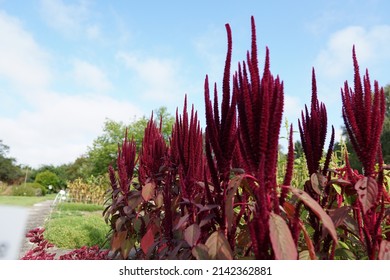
{"x":38,"y":214}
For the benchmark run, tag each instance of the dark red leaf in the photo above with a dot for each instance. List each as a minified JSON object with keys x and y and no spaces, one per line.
{"x":281,"y":239}
{"x":147,"y":240}
{"x":148,"y":191}
{"x":159,"y":200}
{"x":218,"y":247}
{"x":192,"y":234}
{"x":367,"y":190}
{"x":134,"y":200}
{"x":229,"y":209}
{"x":117,"y":240}
{"x":317,"y":209}
{"x":181,"y":221}
{"x":384,"y":250}
{"x":340,"y":182}
{"x":338,"y":215}
{"x":309,"y":243}
{"x":318,"y":182}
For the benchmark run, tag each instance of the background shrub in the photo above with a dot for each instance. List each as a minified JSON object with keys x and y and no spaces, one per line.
{"x":26,"y":190}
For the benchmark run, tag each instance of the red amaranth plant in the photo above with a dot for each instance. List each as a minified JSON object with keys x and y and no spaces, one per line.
{"x":40,"y":251}
{"x":313,"y":130}
{"x":220,"y":142}
{"x":260,"y":107}
{"x":364,"y":113}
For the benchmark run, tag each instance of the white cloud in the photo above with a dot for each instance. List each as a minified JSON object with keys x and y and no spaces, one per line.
{"x":91,"y":76}
{"x":371,"y":45}
{"x":22,"y":61}
{"x":70,"y":19}
{"x":159,"y":77}
{"x":61,"y":127}
{"x":49,"y":127}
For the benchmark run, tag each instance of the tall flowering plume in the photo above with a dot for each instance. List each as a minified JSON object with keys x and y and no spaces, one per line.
{"x":313,"y":130}
{"x":364,"y":113}
{"x":221,"y":130}
{"x":187,"y":151}
{"x":152,"y":154}
{"x":126,"y":161}
{"x":260,"y":107}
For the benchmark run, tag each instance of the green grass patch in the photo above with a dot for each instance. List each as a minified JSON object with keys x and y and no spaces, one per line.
{"x":73,"y":225}
{"x":25,"y":201}
{"x":79,"y":207}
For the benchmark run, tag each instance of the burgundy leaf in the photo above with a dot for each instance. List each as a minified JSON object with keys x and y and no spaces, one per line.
{"x":218,"y":247}
{"x":181,"y":221}
{"x":318,"y":182}
{"x":147,"y":240}
{"x":229,"y":209}
{"x":340,"y":182}
{"x":309,"y":243}
{"x":192,"y":234}
{"x":367,"y":190}
{"x":281,"y":239}
{"x":384,"y":250}
{"x":317,"y":209}
{"x":117,"y":240}
{"x":338,"y":215}
{"x":134,"y":200}
{"x":148,"y":191}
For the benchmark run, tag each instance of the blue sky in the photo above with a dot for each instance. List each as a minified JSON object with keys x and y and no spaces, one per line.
{"x":66,"y":66}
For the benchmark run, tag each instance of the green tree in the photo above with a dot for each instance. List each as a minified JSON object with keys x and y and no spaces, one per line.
{"x":10,"y":172}
{"x":47,"y":178}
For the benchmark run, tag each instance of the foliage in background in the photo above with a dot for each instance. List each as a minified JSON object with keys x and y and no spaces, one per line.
{"x":47,"y":178}
{"x":104,"y":148}
{"x":28,"y":189}
{"x":10,"y":172}
{"x":91,"y":190}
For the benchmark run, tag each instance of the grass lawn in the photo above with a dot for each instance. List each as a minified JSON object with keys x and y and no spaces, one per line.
{"x":25,"y":201}
{"x":73,"y":225}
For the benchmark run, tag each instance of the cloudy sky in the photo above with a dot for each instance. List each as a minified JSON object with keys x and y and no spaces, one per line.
{"x":66,"y":66}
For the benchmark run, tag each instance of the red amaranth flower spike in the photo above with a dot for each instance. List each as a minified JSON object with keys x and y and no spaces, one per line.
{"x":313,"y":130}
{"x":364,"y":114}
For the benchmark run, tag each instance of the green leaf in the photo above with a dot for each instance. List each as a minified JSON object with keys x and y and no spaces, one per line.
{"x":282,"y":242}
{"x":126,"y":247}
{"x":200,"y":252}
{"x":317,"y":209}
{"x":218,"y":247}
{"x":192,"y":234}
{"x":367,"y":190}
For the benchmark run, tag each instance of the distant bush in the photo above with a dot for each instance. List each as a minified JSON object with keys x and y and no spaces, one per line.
{"x":27,"y":190}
